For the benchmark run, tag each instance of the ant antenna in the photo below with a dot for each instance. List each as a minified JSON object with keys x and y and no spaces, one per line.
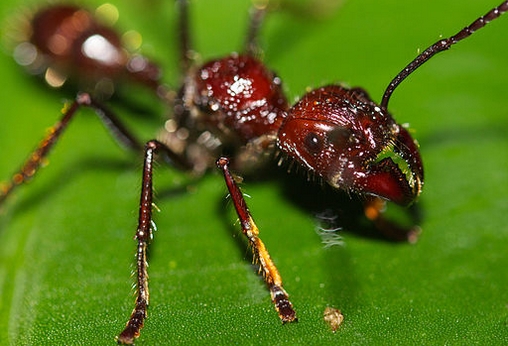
{"x":440,"y":46}
{"x":184,"y":38}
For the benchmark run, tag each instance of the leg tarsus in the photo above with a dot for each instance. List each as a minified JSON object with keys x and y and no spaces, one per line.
{"x":282,"y":304}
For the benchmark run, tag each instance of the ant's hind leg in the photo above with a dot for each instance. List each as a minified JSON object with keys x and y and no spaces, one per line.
{"x":41,"y":152}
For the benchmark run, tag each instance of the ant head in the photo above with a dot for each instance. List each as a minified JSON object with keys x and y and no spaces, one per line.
{"x":354,"y":144}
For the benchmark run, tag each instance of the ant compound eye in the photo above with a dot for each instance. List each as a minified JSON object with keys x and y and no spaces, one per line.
{"x":313,"y":143}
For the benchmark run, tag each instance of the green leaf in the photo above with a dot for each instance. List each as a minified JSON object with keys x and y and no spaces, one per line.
{"x":66,"y":247}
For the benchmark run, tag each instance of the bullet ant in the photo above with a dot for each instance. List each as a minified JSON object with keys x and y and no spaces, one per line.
{"x":235,"y":106}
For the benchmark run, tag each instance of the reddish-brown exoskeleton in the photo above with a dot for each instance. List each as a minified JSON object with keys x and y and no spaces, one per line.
{"x":235,"y":106}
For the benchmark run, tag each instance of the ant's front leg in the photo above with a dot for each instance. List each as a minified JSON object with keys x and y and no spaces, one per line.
{"x":374,"y":207}
{"x":143,"y":236}
{"x":261,"y":256}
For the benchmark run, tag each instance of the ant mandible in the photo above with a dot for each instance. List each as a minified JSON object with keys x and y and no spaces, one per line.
{"x":235,"y":106}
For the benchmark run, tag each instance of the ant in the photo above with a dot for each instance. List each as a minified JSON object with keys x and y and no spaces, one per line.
{"x":233,"y":112}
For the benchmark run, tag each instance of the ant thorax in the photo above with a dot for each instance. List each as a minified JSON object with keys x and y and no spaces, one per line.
{"x":231,"y":106}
